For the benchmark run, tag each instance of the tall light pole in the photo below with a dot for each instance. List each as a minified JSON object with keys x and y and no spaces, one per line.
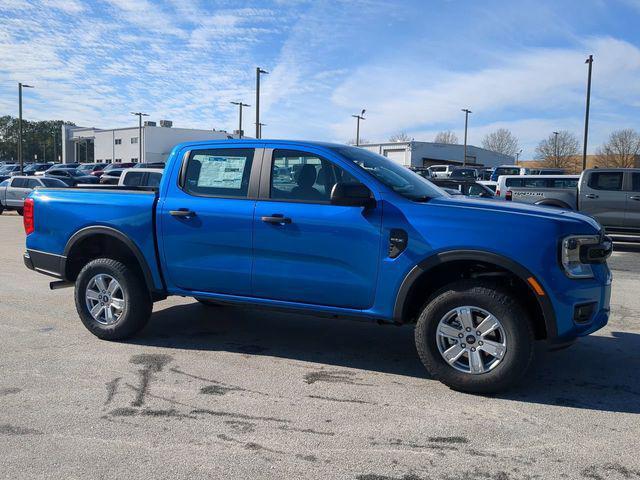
{"x":139,"y":115}
{"x":20,"y":161}
{"x":259,"y":71}
{"x":586,"y":114}
{"x":518,"y":155}
{"x":261,"y":125}
{"x":358,"y":118}
{"x":555,"y":147}
{"x":466,"y":125}
{"x":240,"y":105}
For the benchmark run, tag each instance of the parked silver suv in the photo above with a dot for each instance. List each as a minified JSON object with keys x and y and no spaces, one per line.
{"x":14,"y":190}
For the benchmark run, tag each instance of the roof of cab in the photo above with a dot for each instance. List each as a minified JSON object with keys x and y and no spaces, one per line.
{"x":253,"y":141}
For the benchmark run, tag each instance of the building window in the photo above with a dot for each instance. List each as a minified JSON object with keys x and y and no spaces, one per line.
{"x":118,"y":160}
{"x":135,"y":160}
{"x":134,"y":139}
{"x":118,"y":141}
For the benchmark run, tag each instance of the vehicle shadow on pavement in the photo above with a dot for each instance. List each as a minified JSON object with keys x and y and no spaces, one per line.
{"x":597,"y":373}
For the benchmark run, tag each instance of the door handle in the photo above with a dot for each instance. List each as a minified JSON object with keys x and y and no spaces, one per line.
{"x":635,"y":197}
{"x":277,"y":219}
{"x":591,"y":195}
{"x":183,"y":212}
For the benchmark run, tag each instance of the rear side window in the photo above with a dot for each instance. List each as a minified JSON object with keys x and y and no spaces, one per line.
{"x":33,"y":183}
{"x":52,"y":182}
{"x":19,"y":183}
{"x":218,"y":172}
{"x":606,"y":180}
{"x":134,"y":179}
{"x":154,"y":179}
{"x":635,"y":182}
{"x":513,"y":182}
{"x":534,"y":182}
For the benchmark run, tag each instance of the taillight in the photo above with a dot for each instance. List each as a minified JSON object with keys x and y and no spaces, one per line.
{"x":508,"y":195}
{"x":497,"y":192}
{"x":27,"y":216}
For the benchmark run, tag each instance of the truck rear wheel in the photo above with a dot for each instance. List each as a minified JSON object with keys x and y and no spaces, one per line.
{"x":112,"y":299}
{"x":474,"y":337}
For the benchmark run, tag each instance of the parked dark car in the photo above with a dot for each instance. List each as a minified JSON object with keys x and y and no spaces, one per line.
{"x":8,"y":170}
{"x":89,"y":168}
{"x":36,"y":168}
{"x":111,"y":166}
{"x":71,"y":176}
{"x":112,"y":176}
{"x":465,"y":187}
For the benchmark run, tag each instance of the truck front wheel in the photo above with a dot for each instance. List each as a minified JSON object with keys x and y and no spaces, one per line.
{"x":112,"y":299}
{"x":474,"y":336}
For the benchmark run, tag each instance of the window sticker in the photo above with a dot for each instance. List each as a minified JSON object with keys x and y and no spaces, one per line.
{"x":221,"y":172}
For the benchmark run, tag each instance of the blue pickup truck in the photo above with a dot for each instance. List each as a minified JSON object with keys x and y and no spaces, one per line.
{"x":335,"y":231}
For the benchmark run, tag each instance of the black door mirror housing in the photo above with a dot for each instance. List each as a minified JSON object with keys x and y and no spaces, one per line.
{"x":351,"y":195}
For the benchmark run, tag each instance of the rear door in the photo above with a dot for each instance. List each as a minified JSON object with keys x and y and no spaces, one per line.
{"x":632,"y":214}
{"x":603,"y":197}
{"x":206,"y":221}
{"x":319,"y":253}
{"x":17,"y":192}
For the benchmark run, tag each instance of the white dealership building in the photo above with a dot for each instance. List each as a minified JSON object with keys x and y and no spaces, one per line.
{"x":425,"y":154}
{"x":122,"y":144}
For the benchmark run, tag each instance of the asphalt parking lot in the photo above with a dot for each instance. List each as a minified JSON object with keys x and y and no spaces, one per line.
{"x":224,"y":392}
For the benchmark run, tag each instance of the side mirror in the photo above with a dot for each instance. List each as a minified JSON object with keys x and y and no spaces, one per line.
{"x":351,"y":195}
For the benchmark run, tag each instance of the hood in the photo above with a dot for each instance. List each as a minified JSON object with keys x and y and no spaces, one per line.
{"x":515,"y":208}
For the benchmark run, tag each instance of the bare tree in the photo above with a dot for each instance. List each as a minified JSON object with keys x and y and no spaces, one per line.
{"x":446,"y":137}
{"x":620,"y":150}
{"x":501,"y":141}
{"x":400,"y":137}
{"x":558,"y":151}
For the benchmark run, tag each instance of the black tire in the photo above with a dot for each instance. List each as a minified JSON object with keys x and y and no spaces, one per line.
{"x":138,"y":304}
{"x":20,"y":211}
{"x":496,"y":300}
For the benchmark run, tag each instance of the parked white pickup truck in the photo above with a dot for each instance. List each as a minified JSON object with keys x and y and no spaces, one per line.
{"x":610,"y":195}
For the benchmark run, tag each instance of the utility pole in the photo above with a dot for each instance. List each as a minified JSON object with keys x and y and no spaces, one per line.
{"x":259,"y":71}
{"x":20,"y":160}
{"x":518,"y":155}
{"x":466,"y":125}
{"x":358,"y":118}
{"x":240,"y":105}
{"x":555,"y":148}
{"x":139,"y":115}
{"x":586,"y":115}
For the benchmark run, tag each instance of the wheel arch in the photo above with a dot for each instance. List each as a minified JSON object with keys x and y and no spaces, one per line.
{"x":550,"y":202}
{"x":439,"y":269}
{"x":92,"y":242}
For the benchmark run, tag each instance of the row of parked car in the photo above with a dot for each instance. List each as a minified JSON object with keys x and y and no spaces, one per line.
{"x":14,"y":187}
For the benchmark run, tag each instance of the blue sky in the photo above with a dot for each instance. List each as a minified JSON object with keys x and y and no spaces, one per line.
{"x":412,"y":64}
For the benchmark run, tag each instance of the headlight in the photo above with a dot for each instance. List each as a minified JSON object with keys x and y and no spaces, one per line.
{"x":573,"y":255}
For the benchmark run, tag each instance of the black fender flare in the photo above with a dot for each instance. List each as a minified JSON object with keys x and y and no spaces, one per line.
{"x":550,"y":202}
{"x":509,"y":265}
{"x":118,"y":235}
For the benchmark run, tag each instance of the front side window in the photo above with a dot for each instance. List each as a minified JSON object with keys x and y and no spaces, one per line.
{"x":303,"y":176}
{"x":218,"y":172}
{"x":400,"y":179}
{"x":33,"y":183}
{"x":635,"y":182}
{"x":154,"y":179}
{"x":606,"y":180}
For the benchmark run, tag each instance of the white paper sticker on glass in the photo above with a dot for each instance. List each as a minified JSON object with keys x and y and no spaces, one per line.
{"x":221,"y":172}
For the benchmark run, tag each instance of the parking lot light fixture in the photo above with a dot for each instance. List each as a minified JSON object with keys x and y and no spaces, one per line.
{"x":20,"y":160}
{"x":139,"y":115}
{"x":259,"y":71}
{"x":240,"y":105}
{"x":586,"y":114}
{"x":555,"y":147}
{"x":466,"y":125}
{"x":358,"y":118}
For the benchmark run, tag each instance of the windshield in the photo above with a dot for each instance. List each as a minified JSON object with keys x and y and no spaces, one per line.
{"x":400,"y":179}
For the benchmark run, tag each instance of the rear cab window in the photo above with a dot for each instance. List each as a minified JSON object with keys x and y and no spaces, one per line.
{"x":218,"y":173}
{"x":611,"y":181}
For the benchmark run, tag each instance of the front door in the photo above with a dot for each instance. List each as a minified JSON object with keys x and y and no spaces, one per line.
{"x":603,"y":197}
{"x":632,"y":215}
{"x":307,"y":250}
{"x":206,"y":221}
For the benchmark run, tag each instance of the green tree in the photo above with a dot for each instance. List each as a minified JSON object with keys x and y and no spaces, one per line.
{"x":39,"y":139}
